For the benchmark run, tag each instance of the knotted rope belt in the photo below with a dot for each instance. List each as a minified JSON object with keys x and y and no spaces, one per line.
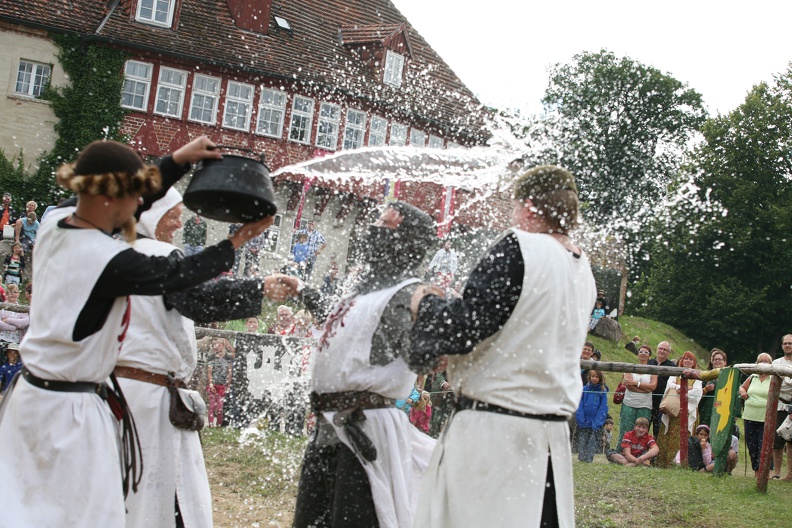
{"x":132,"y":458}
{"x":464,"y":403}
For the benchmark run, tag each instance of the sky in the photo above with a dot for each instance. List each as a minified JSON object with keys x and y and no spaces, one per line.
{"x":502,"y":49}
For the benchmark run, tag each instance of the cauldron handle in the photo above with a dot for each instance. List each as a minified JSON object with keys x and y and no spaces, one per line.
{"x":248,"y":150}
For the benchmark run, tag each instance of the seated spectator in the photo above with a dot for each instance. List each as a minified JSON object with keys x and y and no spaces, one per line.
{"x":607,"y":437}
{"x":699,"y":451}
{"x":633,"y":345}
{"x":13,"y":324}
{"x":14,"y":265}
{"x":9,"y":369}
{"x":421,"y":413}
{"x":25,"y":230}
{"x":591,"y":415}
{"x":596,"y":315}
{"x":285,"y":324}
{"x":638,"y":446}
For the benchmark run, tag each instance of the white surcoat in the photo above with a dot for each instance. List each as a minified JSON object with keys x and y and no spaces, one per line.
{"x":59,"y":460}
{"x":490,"y":469}
{"x":342,"y":363}
{"x":161,"y":341}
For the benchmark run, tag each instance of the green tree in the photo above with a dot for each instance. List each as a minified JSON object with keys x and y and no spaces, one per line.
{"x":726,"y":278}
{"x":623,"y":128}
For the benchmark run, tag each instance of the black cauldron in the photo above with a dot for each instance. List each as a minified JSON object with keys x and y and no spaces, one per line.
{"x":233,"y":189}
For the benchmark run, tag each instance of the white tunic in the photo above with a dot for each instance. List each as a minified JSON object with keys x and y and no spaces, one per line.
{"x":162,"y":341}
{"x":342,"y":363}
{"x":59,"y":460}
{"x":490,"y":469}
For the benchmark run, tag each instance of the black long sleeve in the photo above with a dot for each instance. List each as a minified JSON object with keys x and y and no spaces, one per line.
{"x":219,"y":300}
{"x":489,"y":298}
{"x":133,"y":273}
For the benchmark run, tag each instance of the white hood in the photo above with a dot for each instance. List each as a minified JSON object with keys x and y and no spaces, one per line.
{"x":147,"y":225}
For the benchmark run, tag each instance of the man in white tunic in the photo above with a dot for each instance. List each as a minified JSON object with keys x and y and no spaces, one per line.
{"x":174,"y":489}
{"x":364,"y":463}
{"x":60,"y":461}
{"x":514,"y":341}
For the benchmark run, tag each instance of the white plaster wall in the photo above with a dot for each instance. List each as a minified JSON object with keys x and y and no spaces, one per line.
{"x":26,"y":123}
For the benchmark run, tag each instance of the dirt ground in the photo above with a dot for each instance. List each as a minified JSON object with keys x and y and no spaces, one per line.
{"x":237,"y":503}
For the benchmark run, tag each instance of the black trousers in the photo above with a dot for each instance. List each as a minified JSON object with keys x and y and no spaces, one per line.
{"x":334,"y":490}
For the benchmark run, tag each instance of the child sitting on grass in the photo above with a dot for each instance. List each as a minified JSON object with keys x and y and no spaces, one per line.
{"x":638,"y":446}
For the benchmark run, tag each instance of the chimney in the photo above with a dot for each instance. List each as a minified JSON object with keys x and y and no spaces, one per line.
{"x":252,"y":15}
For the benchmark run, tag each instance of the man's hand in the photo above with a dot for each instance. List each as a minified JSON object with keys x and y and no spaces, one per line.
{"x":279,"y":287}
{"x":196,"y":150}
{"x":420,"y":292}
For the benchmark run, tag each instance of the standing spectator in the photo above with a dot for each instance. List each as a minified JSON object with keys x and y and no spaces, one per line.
{"x":7,"y":215}
{"x":285,"y":324}
{"x":591,"y":415}
{"x":302,"y":253}
{"x":331,"y":286}
{"x":421,"y":412}
{"x":638,"y":396}
{"x":316,"y":244}
{"x":717,"y":361}
{"x":219,"y":375}
{"x":638,"y":446}
{"x":607,"y":437}
{"x":12,"y":365}
{"x":194,"y":235}
{"x":13,"y":324}
{"x":585,"y":355}
{"x":26,"y":228}
{"x":754,"y":393}
{"x":252,"y":250}
{"x":668,"y":440}
{"x":514,"y":338}
{"x":14,"y":265}
{"x":444,"y":265}
{"x":443,"y":401}
{"x":663,"y":351}
{"x":784,"y":403}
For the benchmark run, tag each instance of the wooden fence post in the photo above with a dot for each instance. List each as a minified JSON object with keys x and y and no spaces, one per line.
{"x":769,"y":433}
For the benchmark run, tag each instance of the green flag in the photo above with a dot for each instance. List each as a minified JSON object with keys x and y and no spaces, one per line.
{"x":724,"y":410}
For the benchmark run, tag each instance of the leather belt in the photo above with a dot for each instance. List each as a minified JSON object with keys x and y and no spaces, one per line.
{"x":341,"y":401}
{"x":464,"y":403}
{"x":147,"y":377}
{"x":100,"y":389}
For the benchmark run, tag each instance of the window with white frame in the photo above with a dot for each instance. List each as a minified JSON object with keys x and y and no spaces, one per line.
{"x":272,"y":110}
{"x":238,"y":106}
{"x":157,"y":12}
{"x":435,"y":142}
{"x":398,"y":137}
{"x":32,"y":78}
{"x":170,"y":92}
{"x":137,"y":80}
{"x":452,"y":144}
{"x":205,"y":94}
{"x":301,"y":119}
{"x":394,"y":68}
{"x":327,"y":131}
{"x":417,"y":138}
{"x":378,"y":131}
{"x":355,"y":129}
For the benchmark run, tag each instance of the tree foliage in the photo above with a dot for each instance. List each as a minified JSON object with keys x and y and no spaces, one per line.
{"x":623,"y":128}
{"x":726,"y":279}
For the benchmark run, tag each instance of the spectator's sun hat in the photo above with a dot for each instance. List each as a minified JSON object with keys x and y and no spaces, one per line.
{"x":13,"y":346}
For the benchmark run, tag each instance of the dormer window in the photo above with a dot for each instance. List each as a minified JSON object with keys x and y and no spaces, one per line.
{"x":156,"y":12}
{"x":394,"y":69}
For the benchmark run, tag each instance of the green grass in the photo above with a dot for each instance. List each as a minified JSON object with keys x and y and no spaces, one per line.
{"x":266,"y":465}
